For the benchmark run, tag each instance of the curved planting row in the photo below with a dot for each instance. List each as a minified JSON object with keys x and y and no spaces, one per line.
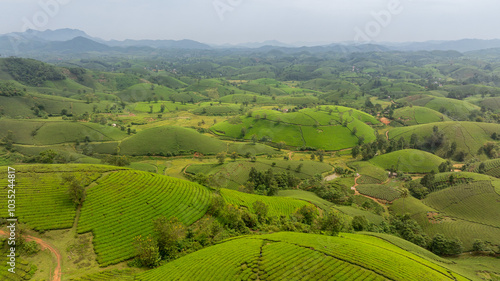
{"x":380,"y":191}
{"x":283,"y":261}
{"x":299,"y":256}
{"x":475,"y":202}
{"x":42,"y":200}
{"x":231,"y":260}
{"x":124,"y":204}
{"x":278,"y":206}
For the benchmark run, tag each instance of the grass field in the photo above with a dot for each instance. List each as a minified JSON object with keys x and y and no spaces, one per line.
{"x":408,"y":161}
{"x":278,"y":206}
{"x":170,"y":139}
{"x":236,"y":173}
{"x":41,"y":198}
{"x":306,"y":127}
{"x":123,"y":204}
{"x":58,"y":132}
{"x":380,"y":191}
{"x":455,"y":109}
{"x":174,"y":140}
{"x":325,"y":205}
{"x":435,"y":221}
{"x":418,"y":115}
{"x":370,"y":174}
{"x":470,"y":136}
{"x":476,"y":202}
{"x":296,"y":256}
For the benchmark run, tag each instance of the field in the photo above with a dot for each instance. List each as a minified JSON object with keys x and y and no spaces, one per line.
{"x":325,"y":205}
{"x":173,"y":140}
{"x":58,"y":132}
{"x":435,"y":221}
{"x":454,"y":109}
{"x":408,"y":161}
{"x":123,"y":204}
{"x":477,"y":202}
{"x":381,"y":191}
{"x":24,"y":270}
{"x":418,"y":115}
{"x":492,"y":167}
{"x":307,"y":127}
{"x":234,"y":174}
{"x":294,"y":256}
{"x":469,"y":136}
{"x":370,"y":174}
{"x":42,"y":199}
{"x":278,"y":206}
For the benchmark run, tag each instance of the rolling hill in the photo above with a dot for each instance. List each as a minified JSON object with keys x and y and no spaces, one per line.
{"x":469,"y":136}
{"x":334,"y":129}
{"x":294,"y":256}
{"x":453,"y":108}
{"x":467,"y":211}
{"x":408,"y":161}
{"x":416,"y":115}
{"x":166,"y":140}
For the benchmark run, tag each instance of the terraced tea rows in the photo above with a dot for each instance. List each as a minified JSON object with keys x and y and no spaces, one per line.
{"x":476,"y":202}
{"x":433,"y":222}
{"x":298,"y":256}
{"x":108,"y":275}
{"x":278,"y":206}
{"x":232,"y":260}
{"x":408,"y":161}
{"x":380,"y":191}
{"x":42,"y":202}
{"x":124,"y":203}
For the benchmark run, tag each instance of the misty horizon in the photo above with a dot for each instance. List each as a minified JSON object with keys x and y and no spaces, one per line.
{"x":220,"y":22}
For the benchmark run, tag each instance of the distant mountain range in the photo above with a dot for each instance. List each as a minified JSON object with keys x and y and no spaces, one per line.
{"x":74,"y":41}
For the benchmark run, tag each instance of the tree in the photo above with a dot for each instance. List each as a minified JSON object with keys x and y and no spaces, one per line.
{"x":234,"y":155}
{"x":442,"y":246}
{"x":76,"y":190}
{"x":254,"y":138}
{"x":404,"y":193}
{"x":333,"y":222}
{"x":359,"y":223}
{"x":147,"y":252}
{"x":281,"y":145}
{"x":168,"y":233}
{"x":221,"y":157}
{"x":299,"y":168}
{"x":8,"y":140}
{"x":355,"y":151}
{"x":321,"y":155}
{"x":162,"y":108}
{"x":482,"y":168}
{"x":307,"y":214}
{"x":261,"y":210}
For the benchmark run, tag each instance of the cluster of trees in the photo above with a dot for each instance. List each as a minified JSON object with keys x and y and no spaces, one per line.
{"x":268,"y":183}
{"x":171,"y":238}
{"x":8,"y":89}
{"x":32,"y":72}
{"x":330,"y":191}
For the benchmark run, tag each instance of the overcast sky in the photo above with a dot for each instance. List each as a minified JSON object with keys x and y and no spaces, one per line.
{"x":237,"y":21}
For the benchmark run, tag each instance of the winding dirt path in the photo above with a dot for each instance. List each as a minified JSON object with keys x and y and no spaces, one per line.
{"x":44,"y":245}
{"x":387,"y":134}
{"x":356,"y":192}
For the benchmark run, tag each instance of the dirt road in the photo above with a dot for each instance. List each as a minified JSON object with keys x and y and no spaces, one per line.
{"x":44,"y":245}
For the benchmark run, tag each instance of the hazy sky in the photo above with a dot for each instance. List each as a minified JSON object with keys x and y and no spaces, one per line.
{"x":236,"y":21}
